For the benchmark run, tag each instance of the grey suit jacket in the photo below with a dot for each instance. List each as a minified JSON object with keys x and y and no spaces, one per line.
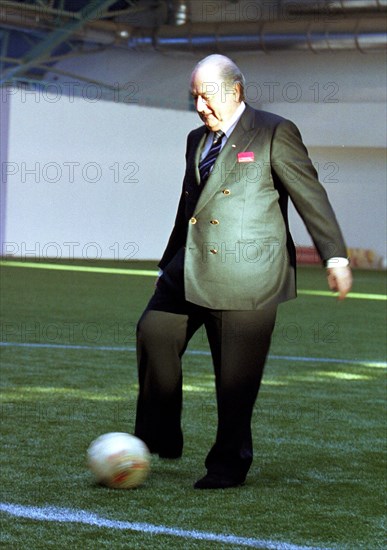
{"x":239,"y":254}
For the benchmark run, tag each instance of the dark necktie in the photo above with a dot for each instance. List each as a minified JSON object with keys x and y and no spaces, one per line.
{"x":208,"y":162}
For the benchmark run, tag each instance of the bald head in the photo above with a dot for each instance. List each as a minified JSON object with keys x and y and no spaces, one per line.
{"x":217,"y":86}
{"x":221,"y":68}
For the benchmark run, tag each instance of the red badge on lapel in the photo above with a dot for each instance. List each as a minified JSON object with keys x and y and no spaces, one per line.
{"x":247,"y":156}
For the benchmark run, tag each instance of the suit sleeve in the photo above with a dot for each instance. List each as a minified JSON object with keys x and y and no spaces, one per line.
{"x":293,"y":169}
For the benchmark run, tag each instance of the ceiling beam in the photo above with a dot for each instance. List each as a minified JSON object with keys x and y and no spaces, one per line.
{"x":43,"y":49}
{"x":36,"y":10}
{"x":53,"y":84}
{"x":4,"y":47}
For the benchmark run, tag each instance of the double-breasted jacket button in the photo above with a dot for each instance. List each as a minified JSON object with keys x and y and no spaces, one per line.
{"x":193,"y":220}
{"x":226,"y":192}
{"x":213,"y":251}
{"x":186,"y":193}
{"x":214,"y":222}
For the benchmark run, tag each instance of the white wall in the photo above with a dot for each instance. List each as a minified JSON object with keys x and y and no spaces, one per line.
{"x":88,"y":177}
{"x":4,"y":128}
{"x":98,"y":176}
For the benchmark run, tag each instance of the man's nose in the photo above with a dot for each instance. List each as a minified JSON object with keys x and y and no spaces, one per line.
{"x":200,"y":104}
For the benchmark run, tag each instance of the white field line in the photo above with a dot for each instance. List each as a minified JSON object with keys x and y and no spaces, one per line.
{"x":131,"y":349}
{"x":67,"y":515}
{"x":152,"y":273}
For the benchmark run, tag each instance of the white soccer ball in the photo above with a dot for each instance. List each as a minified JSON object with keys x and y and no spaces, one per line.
{"x":119,"y":460}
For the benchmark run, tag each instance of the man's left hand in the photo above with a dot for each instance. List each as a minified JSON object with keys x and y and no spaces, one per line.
{"x":340,"y":280}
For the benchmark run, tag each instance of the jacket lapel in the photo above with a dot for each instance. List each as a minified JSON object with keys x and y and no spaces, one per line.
{"x":197,"y":156}
{"x":238,"y":141}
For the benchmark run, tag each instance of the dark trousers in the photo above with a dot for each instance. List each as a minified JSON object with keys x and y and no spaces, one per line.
{"x":239,"y":343}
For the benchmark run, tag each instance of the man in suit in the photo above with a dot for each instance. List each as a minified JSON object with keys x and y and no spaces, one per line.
{"x":229,"y":262}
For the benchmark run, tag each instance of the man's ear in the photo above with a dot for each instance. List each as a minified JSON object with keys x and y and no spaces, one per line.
{"x":238,"y":92}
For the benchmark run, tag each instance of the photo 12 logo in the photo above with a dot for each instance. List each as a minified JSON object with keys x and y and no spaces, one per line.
{"x":70,"y":250}
{"x":70,"y":91}
{"x":69,"y":172}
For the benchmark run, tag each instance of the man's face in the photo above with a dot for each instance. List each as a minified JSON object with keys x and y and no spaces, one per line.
{"x":215,"y":102}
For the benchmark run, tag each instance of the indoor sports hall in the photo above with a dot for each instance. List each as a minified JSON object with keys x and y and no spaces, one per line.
{"x":95,"y":112}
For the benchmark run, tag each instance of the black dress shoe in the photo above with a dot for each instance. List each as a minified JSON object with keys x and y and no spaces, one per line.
{"x":217,"y":481}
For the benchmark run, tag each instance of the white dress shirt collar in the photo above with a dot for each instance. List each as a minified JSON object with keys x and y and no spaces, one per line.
{"x":230,"y":124}
{"x":227,"y":129}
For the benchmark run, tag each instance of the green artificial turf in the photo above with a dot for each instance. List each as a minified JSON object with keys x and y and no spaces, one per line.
{"x":318,"y":477}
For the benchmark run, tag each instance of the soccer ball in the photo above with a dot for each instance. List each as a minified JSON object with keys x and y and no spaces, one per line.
{"x":119,"y":460}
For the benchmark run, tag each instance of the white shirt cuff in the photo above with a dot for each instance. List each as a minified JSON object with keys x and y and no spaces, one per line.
{"x":337,"y":262}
